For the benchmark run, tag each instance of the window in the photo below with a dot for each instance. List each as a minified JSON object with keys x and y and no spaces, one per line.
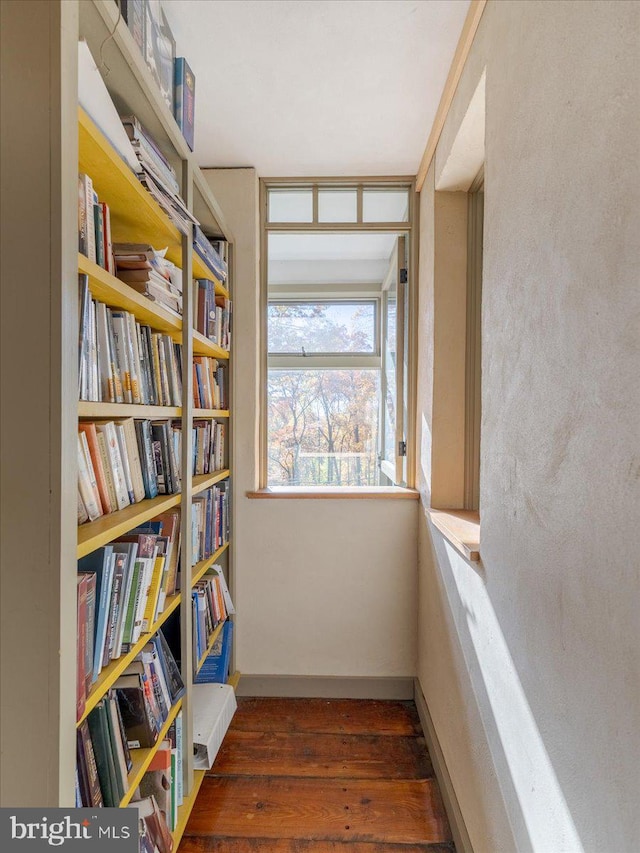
{"x":337,"y":350}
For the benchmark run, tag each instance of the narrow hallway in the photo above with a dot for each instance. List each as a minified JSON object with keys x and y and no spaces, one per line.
{"x":320,"y":776}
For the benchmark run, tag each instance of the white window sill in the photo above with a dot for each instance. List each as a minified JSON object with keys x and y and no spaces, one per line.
{"x":461,"y":528}
{"x":334,"y":493}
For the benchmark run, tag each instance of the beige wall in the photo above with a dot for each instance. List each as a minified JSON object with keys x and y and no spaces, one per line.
{"x":529,"y":661}
{"x":322,"y":587}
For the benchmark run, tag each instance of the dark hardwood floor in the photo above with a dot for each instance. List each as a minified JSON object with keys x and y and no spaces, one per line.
{"x":320,"y":776}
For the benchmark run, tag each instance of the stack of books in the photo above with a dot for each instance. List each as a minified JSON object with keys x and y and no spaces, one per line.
{"x":212,"y":313}
{"x":211,"y":603}
{"x":122,"y":361}
{"x":205,"y":250}
{"x":149,"y":273}
{"x":122,"y":589}
{"x":209,"y":438}
{"x":94,"y":226}
{"x":158,"y":176}
{"x":123,"y":461}
{"x":209,"y":521}
{"x":209,"y":383}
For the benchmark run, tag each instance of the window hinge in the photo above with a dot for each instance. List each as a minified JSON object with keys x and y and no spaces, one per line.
{"x":403,"y":276}
{"x":402,"y":448}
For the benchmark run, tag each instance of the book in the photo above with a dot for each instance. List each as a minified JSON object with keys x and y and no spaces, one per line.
{"x":184,"y":99}
{"x":91,"y":437}
{"x":157,"y":782}
{"x":100,"y":563}
{"x":86,"y":480}
{"x":89,"y":782}
{"x":215,"y":668}
{"x":100,"y":738}
{"x":82,"y":587}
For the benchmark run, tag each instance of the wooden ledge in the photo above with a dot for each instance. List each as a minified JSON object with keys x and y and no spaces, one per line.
{"x":334,"y":492}
{"x":461,"y":528}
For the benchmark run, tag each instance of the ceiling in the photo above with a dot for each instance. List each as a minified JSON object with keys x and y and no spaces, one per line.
{"x":316,"y":87}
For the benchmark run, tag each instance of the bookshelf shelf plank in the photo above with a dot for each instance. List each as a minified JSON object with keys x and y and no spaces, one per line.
{"x":187,"y":806}
{"x":96,"y":533}
{"x":204,"y":481}
{"x":111,"y":673}
{"x":117,"y":294}
{"x":141,"y":758}
{"x":234,"y":680}
{"x":198,"y":414}
{"x":126,"y":410}
{"x":210,"y":644}
{"x":201,"y":270}
{"x":203,"y":346}
{"x":203,"y":566}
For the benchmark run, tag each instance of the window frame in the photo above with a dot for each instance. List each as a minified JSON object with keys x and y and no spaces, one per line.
{"x":292,"y":359}
{"x":407,"y":228}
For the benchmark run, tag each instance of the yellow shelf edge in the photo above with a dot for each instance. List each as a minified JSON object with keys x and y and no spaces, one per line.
{"x":201,"y":270}
{"x":200,"y":569}
{"x":112,"y":291}
{"x":110,"y":674}
{"x":204,"y":481}
{"x":234,"y":679}
{"x":199,"y":414}
{"x":216,"y":633}
{"x":89,"y":409}
{"x":203,"y":346}
{"x":96,"y":533}
{"x":187,"y":806}
{"x":142,"y":761}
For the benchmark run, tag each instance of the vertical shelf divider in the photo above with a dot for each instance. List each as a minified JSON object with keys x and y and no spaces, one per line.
{"x":186,"y":654}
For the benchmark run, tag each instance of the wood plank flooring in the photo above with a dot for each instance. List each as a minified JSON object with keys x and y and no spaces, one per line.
{"x":320,"y":776}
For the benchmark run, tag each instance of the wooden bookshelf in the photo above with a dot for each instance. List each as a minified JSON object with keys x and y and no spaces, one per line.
{"x":111,"y":673}
{"x":203,"y":346}
{"x":216,"y":633}
{"x":203,"y":566}
{"x":205,"y":481}
{"x":187,"y":807}
{"x":141,"y":758}
{"x":199,"y":414}
{"x":92,"y":410}
{"x":117,"y":294}
{"x":96,"y":533}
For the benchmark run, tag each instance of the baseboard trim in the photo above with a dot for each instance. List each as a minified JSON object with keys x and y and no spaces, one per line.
{"x":458,"y":827}
{"x":326,"y":687}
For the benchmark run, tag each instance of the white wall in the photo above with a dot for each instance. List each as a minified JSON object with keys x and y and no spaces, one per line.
{"x":322,"y":587}
{"x":529,"y":662}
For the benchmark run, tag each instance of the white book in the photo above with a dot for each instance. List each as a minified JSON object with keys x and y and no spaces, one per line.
{"x":108,"y":430}
{"x":133,"y":455}
{"x":119,"y":334}
{"x":87,"y":480}
{"x":228,"y":603}
{"x":136,"y":370}
{"x":105,"y":361}
{"x":145,"y":586}
{"x":131,"y":549}
{"x":124,"y":456}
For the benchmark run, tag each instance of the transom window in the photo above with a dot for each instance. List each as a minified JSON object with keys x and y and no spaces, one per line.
{"x":337,"y":260}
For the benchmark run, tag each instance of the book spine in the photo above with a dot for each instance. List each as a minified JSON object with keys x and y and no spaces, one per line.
{"x":86,"y":480}
{"x":124,"y":456}
{"x":98,"y":224}
{"x":87,"y":185}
